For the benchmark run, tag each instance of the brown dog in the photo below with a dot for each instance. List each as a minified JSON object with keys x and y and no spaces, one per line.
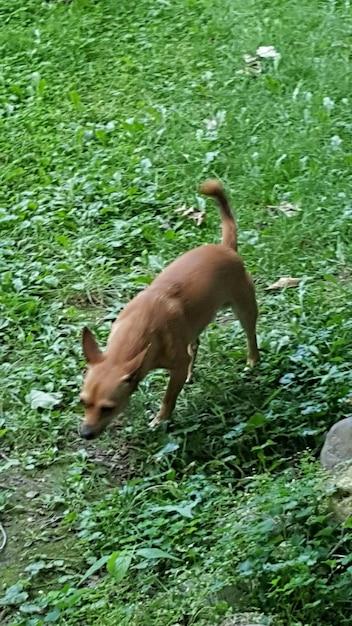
{"x":159,"y":328}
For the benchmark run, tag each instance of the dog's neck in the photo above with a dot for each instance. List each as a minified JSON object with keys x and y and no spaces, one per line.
{"x":128,"y":338}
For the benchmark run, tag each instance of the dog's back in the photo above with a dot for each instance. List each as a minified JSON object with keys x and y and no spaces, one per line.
{"x":200,"y":281}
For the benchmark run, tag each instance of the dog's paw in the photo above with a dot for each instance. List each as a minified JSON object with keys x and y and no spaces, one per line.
{"x":156,"y":421}
{"x":252,"y":361}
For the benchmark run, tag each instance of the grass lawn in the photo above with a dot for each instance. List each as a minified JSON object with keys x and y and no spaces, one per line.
{"x":111,"y":114}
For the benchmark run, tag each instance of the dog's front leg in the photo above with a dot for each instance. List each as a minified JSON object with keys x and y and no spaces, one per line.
{"x":177,"y":380}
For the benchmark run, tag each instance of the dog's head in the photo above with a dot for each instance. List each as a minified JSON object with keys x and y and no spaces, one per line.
{"x":107,"y":385}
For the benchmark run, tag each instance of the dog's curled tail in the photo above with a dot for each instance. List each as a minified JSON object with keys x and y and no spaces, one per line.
{"x":215,"y":189}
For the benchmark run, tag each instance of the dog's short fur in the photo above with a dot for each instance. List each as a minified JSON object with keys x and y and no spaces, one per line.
{"x":159,"y":328}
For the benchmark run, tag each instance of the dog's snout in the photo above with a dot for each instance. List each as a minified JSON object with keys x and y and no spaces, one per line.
{"x":87,"y":432}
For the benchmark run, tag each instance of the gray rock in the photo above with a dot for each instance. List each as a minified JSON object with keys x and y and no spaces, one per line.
{"x":341,"y":484}
{"x":338,"y":444}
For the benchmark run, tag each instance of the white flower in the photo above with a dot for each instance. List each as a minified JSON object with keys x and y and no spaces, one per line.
{"x":35,"y":76}
{"x":145,"y":165}
{"x":211,"y":123}
{"x":267,"y":52}
{"x":208,"y":75}
{"x":211,"y":156}
{"x":335,"y":141}
{"x":328,"y":103}
{"x":220,"y":116}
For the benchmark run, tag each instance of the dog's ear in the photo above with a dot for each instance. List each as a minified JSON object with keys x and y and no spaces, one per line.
{"x":135,"y":366}
{"x":91,"y":349}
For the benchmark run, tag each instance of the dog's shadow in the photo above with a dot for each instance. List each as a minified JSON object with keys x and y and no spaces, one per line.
{"x":212,"y":422}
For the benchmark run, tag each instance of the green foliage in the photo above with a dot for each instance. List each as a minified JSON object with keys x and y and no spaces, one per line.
{"x":110,"y":115}
{"x":273,"y":545}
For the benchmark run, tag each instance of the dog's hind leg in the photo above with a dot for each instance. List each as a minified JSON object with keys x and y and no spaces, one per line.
{"x":246,"y":311}
{"x":192,"y":350}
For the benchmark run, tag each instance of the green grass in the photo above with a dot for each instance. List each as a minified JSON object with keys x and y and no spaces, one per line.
{"x":111,"y":113}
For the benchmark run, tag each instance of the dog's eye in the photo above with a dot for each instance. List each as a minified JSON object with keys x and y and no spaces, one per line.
{"x":105,"y":411}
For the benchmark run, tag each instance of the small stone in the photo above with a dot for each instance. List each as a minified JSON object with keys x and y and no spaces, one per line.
{"x":32,"y":494}
{"x":338,"y":444}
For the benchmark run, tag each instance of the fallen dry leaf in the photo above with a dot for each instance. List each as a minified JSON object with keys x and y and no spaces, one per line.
{"x":191,"y":213}
{"x":284,"y":282}
{"x":253,"y":64}
{"x":287,"y":208}
{"x":253,"y":61}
